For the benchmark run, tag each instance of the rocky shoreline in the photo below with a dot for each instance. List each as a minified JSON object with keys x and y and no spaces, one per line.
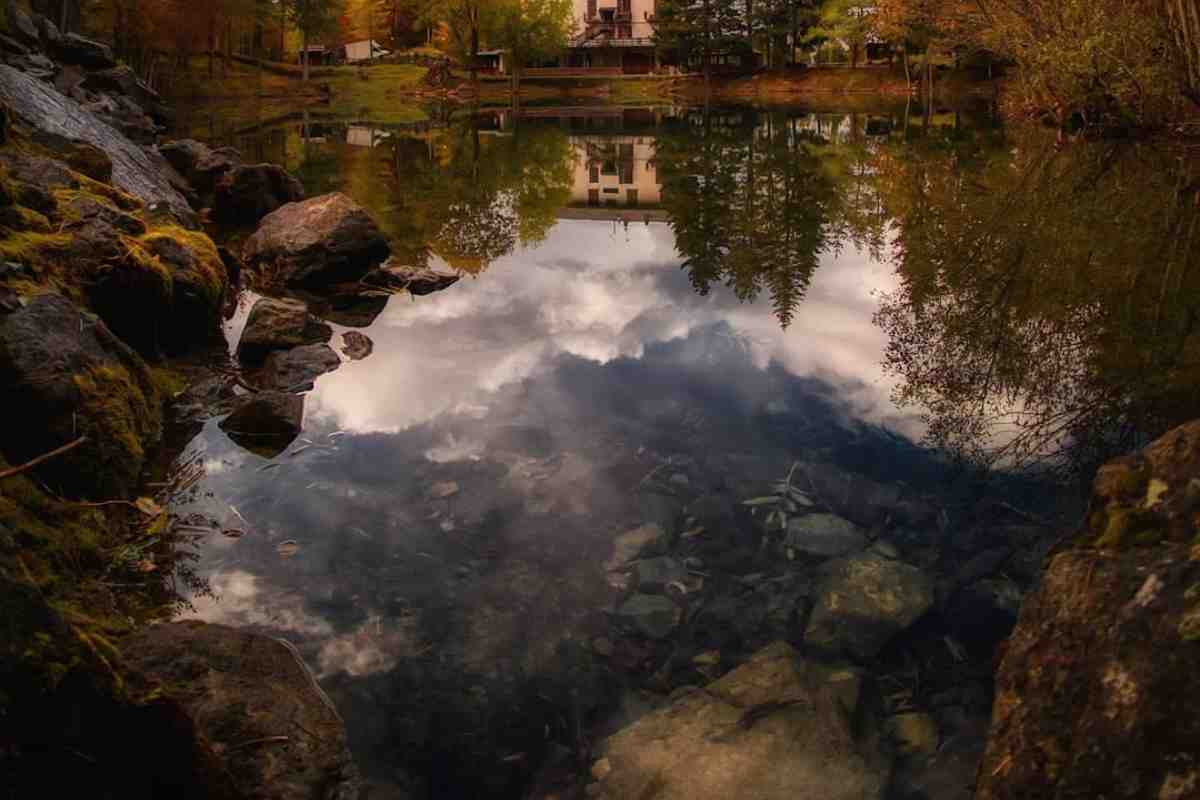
{"x":813,"y":632}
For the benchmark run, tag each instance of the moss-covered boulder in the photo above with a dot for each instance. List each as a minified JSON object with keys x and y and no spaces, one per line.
{"x":64,"y":374}
{"x":1098,"y":694}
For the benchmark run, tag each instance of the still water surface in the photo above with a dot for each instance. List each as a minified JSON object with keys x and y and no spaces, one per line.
{"x":662,"y":310}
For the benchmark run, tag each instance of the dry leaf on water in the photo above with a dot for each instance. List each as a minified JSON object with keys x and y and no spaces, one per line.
{"x":148,"y":507}
{"x":288,"y":548}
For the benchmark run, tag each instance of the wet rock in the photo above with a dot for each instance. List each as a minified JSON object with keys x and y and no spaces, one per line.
{"x":415,"y":280}
{"x":1098,"y":693}
{"x":265,"y":423}
{"x":824,"y":535}
{"x":326,"y":238}
{"x":143,"y":174}
{"x":75,"y":49}
{"x":64,"y":374}
{"x":645,"y":540}
{"x":356,"y":346}
{"x":653,"y":616}
{"x":198,"y":163}
{"x":245,"y":194}
{"x":276,"y":324}
{"x":776,"y":728}
{"x":240,"y":692}
{"x":654,"y":574}
{"x":863,"y":601}
{"x":21,"y":24}
{"x":295,"y":370}
{"x":913,"y":733}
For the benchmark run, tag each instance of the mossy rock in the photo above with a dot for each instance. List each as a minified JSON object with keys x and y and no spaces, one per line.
{"x":64,"y":374}
{"x":199,"y":281}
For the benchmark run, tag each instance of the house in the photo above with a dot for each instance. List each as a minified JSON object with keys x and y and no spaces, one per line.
{"x":613,"y":35}
{"x":363,"y":50}
{"x":616,"y":179}
{"x":318,"y":54}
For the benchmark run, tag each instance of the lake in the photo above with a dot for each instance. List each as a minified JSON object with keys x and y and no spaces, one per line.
{"x":926,"y":324}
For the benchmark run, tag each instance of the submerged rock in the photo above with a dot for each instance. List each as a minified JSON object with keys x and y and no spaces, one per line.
{"x":1098,"y":694}
{"x":143,"y":174}
{"x":863,"y":601}
{"x":295,"y":370}
{"x":776,"y":728}
{"x":265,"y":423}
{"x":277,"y":324}
{"x":653,"y":616}
{"x":824,"y":535}
{"x":246,"y":194}
{"x":356,"y":346}
{"x":63,"y":374}
{"x":253,"y":705}
{"x":329,"y":238}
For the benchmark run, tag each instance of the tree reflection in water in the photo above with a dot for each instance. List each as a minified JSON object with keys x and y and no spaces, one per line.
{"x":1048,"y":310}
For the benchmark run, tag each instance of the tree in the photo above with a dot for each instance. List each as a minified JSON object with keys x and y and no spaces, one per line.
{"x":1184,"y":16}
{"x":696,"y":31}
{"x":312,"y":18}
{"x":530,"y":31}
{"x":848,"y":21}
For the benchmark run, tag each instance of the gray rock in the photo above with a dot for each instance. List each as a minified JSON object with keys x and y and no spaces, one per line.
{"x":824,"y":535}
{"x":356,"y":346}
{"x":276,"y":324}
{"x":653,"y":574}
{"x":198,"y":163}
{"x":775,"y":728}
{"x":653,"y":616}
{"x":324,"y":239}
{"x":121,"y":79}
{"x":143,"y":174}
{"x":245,"y":194}
{"x":295,"y":370}
{"x":863,"y":601}
{"x":49,"y":32}
{"x":265,"y":423}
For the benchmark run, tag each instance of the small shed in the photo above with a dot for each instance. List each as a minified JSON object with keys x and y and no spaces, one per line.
{"x":363,"y":50}
{"x":491,"y":61}
{"x":317,"y":54}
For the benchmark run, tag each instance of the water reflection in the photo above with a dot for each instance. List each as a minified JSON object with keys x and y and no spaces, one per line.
{"x":454,"y":496}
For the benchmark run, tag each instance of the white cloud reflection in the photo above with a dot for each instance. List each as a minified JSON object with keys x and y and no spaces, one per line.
{"x":599,"y":292}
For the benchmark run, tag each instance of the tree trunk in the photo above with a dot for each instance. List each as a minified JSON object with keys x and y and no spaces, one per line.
{"x":1184,"y":16}
{"x":473,"y":14}
{"x":907,"y":72}
{"x":212,"y":43}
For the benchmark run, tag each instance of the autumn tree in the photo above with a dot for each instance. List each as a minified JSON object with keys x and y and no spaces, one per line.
{"x":531,"y":31}
{"x":850,"y":22}
{"x":697,"y":31}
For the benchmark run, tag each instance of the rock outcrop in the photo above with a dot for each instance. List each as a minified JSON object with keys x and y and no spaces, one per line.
{"x":143,"y":174}
{"x":1098,"y":693}
{"x":265,"y":423}
{"x":778,"y":727}
{"x":329,"y":238}
{"x":295,"y":370}
{"x":63,"y":374}
{"x":253,"y":706}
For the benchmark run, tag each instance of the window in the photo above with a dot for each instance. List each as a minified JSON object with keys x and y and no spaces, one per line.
{"x":591,"y":9}
{"x":593,"y":173}
{"x":593,"y":197}
{"x":624,"y":7}
{"x":611,"y":190}
{"x":631,"y":198}
{"x":627,"y":171}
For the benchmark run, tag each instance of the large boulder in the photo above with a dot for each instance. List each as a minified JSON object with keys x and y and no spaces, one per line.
{"x":63,"y":374}
{"x":122,"y":80}
{"x":776,"y":728}
{"x":135,"y":170}
{"x":278,"y":324}
{"x":862,"y":601}
{"x":1098,"y":694}
{"x":414,"y":280}
{"x":245,"y":194}
{"x":79,"y":50}
{"x":324,"y":239}
{"x":265,"y":423}
{"x":253,"y":705}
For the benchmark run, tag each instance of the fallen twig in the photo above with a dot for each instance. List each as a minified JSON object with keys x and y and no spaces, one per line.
{"x":11,"y":471}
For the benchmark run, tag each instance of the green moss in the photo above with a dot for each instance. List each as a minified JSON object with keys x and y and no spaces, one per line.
{"x":1123,"y":527}
{"x":210,"y":270}
{"x":170,"y":382}
{"x":140,"y":259}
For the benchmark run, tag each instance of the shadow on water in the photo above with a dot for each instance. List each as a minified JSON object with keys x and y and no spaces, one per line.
{"x":665,"y":310}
